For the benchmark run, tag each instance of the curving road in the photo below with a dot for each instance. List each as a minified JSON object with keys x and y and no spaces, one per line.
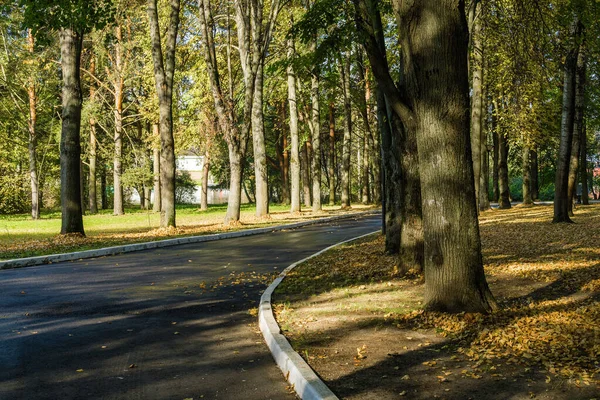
{"x":171,"y":323}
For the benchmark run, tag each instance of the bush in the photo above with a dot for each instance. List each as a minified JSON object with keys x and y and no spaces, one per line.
{"x":547,"y":192}
{"x":185,"y":188}
{"x":14,"y":194}
{"x":516,"y":188}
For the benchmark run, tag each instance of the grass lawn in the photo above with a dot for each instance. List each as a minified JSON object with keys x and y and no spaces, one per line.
{"x":362,"y":328}
{"x":20,"y":236}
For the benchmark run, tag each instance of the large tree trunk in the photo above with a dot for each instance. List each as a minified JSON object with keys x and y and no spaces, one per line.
{"x":561,"y":195}
{"x":578,"y":122}
{"x":260,"y":152}
{"x":346,"y":144}
{"x":164,"y":69}
{"x":526,"y":166}
{"x":585,"y":197}
{"x":235,"y":185}
{"x":331,"y":158}
{"x":294,"y":135}
{"x":32,"y":143}
{"x":434,"y":36}
{"x":402,"y":188}
{"x":477,"y":104}
{"x":70,"y":146}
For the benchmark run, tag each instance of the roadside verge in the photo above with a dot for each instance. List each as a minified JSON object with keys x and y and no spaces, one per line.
{"x":109,"y":251}
{"x":302,"y":378}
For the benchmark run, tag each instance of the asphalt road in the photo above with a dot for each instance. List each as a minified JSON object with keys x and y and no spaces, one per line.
{"x":171,"y":323}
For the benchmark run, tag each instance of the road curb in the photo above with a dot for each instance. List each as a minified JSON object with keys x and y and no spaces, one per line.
{"x":109,"y":251}
{"x":302,"y":378}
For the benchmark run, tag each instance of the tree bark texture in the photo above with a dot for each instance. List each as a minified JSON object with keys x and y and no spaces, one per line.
{"x":118,"y":86}
{"x":32,"y":142}
{"x":347,"y":142}
{"x":316,"y":141}
{"x":70,"y":146}
{"x":305,"y":172}
{"x":331,"y":155}
{"x":477,"y":103}
{"x":561,"y":195}
{"x":156,"y":206}
{"x":535,"y":191}
{"x":585,"y":198}
{"x":92,"y":187}
{"x":260,"y":152}
{"x":526,"y":167}
{"x":495,"y":156}
{"x":164,"y":69}
{"x":434,"y":42}
{"x":578,"y":121}
{"x":294,"y":134}
{"x":205,"y":173}
{"x":503,"y":187}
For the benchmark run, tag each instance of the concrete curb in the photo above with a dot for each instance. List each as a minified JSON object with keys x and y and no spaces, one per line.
{"x":298,"y":373}
{"x":109,"y":251}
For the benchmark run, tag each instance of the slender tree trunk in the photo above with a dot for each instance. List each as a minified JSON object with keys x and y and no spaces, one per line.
{"x":294,"y":136}
{"x":561,"y":195}
{"x":92,"y":191}
{"x":235,"y":185}
{"x":484,"y":181}
{"x":578,"y":120}
{"x":504,"y":199}
{"x":103,"y":195}
{"x":477,"y":104}
{"x":118,"y":85}
{"x":164,"y":69}
{"x":156,"y":206}
{"x":305,"y":170}
{"x":316,"y":142}
{"x":435,"y":33}
{"x":331,"y":166}
{"x":535,"y":192}
{"x":205,"y":172}
{"x":495,"y":158}
{"x":285,"y":162}
{"x":347,"y":143}
{"x":70,"y":146}
{"x":260,"y":152}
{"x":32,"y":143}
{"x":585,"y":197}
{"x":526,"y":167}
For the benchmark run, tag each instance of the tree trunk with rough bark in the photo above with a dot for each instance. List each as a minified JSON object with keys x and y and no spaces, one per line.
{"x":156,"y":206}
{"x":331,"y":157}
{"x":164,"y":69}
{"x":92,"y":187}
{"x":70,"y":146}
{"x":434,"y":41}
{"x":32,"y":142}
{"x":260,"y":152}
{"x":503,"y":187}
{"x":585,"y":197}
{"x":578,"y":121}
{"x":205,"y":173}
{"x":477,"y":103}
{"x":305,"y":172}
{"x":561,"y":193}
{"x":118,"y":87}
{"x":535,"y":191}
{"x":526,"y":167}
{"x":294,"y":135}
{"x":495,"y":157}
{"x":347,"y":143}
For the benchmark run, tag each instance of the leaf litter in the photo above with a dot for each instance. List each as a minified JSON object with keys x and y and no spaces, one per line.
{"x":545,"y":337}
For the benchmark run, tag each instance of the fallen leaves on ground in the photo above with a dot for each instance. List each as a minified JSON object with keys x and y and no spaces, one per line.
{"x":546,"y":277}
